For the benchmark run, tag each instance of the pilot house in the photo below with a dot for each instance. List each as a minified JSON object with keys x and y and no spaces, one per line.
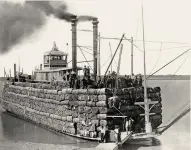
{"x":55,"y":66}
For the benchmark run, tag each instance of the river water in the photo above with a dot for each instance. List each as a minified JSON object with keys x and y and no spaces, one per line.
{"x":15,"y":129}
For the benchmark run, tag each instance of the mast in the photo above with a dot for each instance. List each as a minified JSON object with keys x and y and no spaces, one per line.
{"x":99,"y":66}
{"x":119,"y":64}
{"x":131,"y":56}
{"x":111,"y":55}
{"x":148,"y":127}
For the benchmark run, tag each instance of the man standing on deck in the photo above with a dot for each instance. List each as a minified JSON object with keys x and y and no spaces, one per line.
{"x":116,"y":134}
{"x":102,"y":134}
{"x":128,"y":125}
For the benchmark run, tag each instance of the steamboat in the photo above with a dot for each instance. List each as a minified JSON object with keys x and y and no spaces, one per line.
{"x":57,"y":98}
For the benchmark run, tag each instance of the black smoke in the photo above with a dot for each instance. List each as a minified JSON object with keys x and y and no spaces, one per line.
{"x":18,"y":21}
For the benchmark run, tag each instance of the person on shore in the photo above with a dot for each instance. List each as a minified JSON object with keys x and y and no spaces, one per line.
{"x":102,"y":134}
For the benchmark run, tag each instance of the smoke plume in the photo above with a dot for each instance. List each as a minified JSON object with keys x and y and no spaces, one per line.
{"x":18,"y":21}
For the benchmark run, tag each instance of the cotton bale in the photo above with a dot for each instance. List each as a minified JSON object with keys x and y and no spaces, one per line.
{"x":92,"y":91}
{"x":101,"y":116}
{"x":103,"y":123}
{"x":101,"y":104}
{"x":82,"y":103}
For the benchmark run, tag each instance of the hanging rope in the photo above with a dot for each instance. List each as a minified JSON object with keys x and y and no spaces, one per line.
{"x":157,"y":59}
{"x":174,"y":73}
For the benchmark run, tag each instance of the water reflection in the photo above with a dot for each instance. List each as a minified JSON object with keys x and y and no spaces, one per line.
{"x":12,"y":128}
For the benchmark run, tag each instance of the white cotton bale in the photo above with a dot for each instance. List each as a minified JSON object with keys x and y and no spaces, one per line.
{"x":103,"y":123}
{"x":65,"y":102}
{"x":101,"y":104}
{"x":96,"y":122}
{"x":76,"y":120}
{"x":69,"y":118}
{"x":101,"y":116}
{"x":92,"y":91}
{"x":91,"y":104}
{"x":93,"y":98}
{"x":63,"y":118}
{"x":104,"y":91}
{"x":82,"y":103}
{"x":103,"y":97}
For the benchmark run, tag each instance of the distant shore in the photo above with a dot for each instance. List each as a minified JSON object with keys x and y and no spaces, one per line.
{"x":155,"y":77}
{"x":170,"y":77}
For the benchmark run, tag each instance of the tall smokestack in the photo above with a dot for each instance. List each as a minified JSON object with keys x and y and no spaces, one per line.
{"x":74,"y":44}
{"x":95,"y":41}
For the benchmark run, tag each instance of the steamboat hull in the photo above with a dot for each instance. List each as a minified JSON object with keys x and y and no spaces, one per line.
{"x":62,"y":110}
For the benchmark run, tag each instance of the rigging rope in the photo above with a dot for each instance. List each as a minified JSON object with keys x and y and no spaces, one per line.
{"x":157,"y":59}
{"x":169,"y":63}
{"x":112,"y":54}
{"x":105,"y":62}
{"x":174,"y":73}
{"x":85,"y":58}
{"x":111,"y":38}
{"x":170,"y":48}
{"x":129,"y":40}
{"x":86,"y":51}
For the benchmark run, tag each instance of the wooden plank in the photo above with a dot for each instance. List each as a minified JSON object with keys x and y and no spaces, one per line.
{"x":114,"y":146}
{"x":143,"y":103}
{"x":116,"y":116}
{"x":146,"y":114}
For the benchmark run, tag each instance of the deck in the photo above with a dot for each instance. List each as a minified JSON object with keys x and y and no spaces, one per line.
{"x":114,"y":146}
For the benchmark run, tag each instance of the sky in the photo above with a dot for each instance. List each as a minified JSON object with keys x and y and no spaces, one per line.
{"x":166,"y":22}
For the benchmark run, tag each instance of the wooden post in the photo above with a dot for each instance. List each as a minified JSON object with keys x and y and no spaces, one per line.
{"x":131,"y":56}
{"x":148,"y":127}
{"x":99,"y":64}
{"x":119,"y":64}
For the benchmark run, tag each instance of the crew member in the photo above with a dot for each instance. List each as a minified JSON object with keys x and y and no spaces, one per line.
{"x":128,"y":125}
{"x":116,"y":134}
{"x":88,"y":71}
{"x":85,"y":71}
{"x":85,"y":83}
{"x":102,"y":134}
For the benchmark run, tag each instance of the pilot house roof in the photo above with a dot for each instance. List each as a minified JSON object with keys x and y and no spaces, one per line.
{"x":55,"y":51}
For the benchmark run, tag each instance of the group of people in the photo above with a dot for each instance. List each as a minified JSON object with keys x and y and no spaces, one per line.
{"x":117,"y":131}
{"x":111,"y":80}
